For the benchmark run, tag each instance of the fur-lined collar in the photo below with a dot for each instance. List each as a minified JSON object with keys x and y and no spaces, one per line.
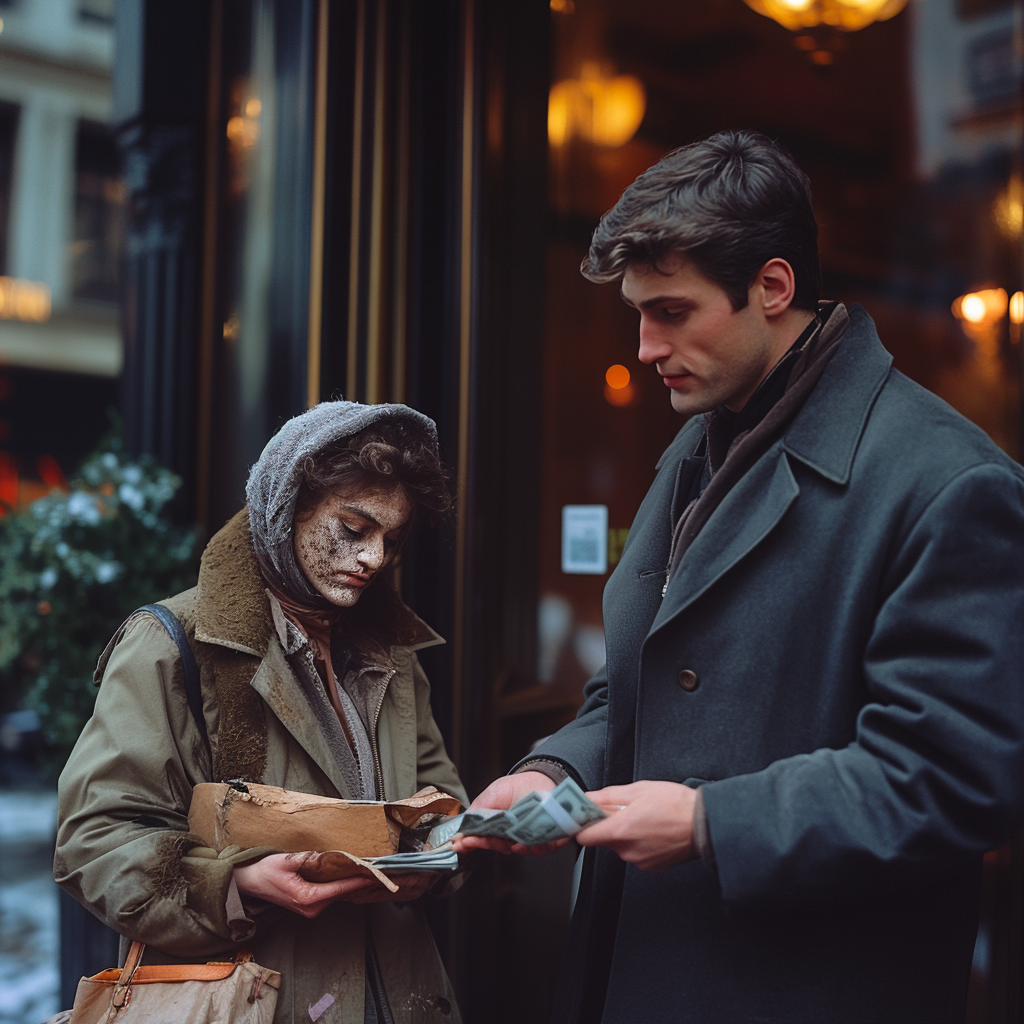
{"x":233,"y":610}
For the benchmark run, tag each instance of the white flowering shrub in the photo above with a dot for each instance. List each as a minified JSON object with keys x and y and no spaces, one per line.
{"x":72,"y":567}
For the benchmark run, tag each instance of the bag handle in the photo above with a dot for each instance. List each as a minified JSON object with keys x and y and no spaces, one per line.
{"x":122,"y":988}
{"x":124,"y":983}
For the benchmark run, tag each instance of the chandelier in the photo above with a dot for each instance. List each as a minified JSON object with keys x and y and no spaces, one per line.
{"x":844,"y":15}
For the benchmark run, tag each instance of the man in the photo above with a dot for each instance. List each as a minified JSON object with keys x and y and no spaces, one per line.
{"x":812,"y":712}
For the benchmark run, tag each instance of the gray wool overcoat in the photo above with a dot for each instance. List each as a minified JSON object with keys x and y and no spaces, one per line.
{"x":854,"y":615}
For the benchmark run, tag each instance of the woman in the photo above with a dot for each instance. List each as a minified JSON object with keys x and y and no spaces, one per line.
{"x":310,"y":682}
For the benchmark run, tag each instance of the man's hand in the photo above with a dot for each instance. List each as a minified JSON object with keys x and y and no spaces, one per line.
{"x":277,"y":879}
{"x":501,"y":794}
{"x":653,"y":829}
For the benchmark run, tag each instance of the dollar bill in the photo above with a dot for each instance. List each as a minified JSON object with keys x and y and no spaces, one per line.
{"x":536,"y":818}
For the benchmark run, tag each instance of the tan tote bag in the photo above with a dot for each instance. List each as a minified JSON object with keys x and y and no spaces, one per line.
{"x":236,"y":992}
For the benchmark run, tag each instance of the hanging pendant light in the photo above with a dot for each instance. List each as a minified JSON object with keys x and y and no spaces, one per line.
{"x":844,"y":15}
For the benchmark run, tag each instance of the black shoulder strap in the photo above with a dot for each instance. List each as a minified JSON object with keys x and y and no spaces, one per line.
{"x":189,"y":668}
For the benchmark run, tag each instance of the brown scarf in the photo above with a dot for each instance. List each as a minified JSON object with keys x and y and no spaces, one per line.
{"x":316,"y":625}
{"x":748,"y":447}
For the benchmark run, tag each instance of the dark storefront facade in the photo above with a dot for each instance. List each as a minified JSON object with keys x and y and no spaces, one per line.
{"x":388,"y":200}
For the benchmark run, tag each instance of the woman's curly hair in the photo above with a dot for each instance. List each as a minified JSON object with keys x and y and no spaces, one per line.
{"x":390,"y":453}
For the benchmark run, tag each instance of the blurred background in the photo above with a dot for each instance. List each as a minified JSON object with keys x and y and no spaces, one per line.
{"x":214,"y":213}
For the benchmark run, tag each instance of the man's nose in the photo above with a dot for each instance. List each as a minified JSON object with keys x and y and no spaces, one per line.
{"x":653,"y":346}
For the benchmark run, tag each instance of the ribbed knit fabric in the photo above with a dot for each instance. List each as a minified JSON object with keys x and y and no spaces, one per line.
{"x":274,"y":482}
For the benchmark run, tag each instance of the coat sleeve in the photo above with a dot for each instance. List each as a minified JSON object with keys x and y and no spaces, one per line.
{"x":936,"y":770}
{"x":123,"y":846}
{"x":433,"y":765}
{"x":579,"y":747}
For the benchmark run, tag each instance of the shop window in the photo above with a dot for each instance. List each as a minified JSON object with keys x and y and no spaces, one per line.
{"x":8,"y":133}
{"x":99,"y":215}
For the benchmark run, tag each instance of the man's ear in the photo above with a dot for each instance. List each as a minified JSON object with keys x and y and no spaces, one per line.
{"x":774,"y":287}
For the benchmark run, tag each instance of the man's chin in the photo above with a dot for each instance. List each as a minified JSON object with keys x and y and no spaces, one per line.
{"x":690,"y":405}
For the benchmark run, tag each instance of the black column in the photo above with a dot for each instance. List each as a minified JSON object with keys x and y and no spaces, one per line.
{"x":160,"y":88}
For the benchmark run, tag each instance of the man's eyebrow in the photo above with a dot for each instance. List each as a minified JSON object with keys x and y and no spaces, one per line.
{"x":657,"y":300}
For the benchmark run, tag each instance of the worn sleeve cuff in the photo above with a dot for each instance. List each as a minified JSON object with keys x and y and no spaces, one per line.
{"x":209,"y":876}
{"x":702,"y":834}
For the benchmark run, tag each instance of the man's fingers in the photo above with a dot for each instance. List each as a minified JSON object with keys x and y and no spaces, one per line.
{"x":614,"y":795}
{"x":601,"y":833}
{"x":467,"y":843}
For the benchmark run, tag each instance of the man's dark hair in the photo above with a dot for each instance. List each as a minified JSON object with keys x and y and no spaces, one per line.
{"x":730,"y":203}
{"x":392,"y":453}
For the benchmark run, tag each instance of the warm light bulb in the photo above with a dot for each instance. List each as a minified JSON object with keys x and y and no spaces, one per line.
{"x":606,"y":111}
{"x":1017,"y":308}
{"x":617,"y":376}
{"x":972,"y":308}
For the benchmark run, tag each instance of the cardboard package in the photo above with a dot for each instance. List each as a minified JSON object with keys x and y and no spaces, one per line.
{"x":249,"y":814}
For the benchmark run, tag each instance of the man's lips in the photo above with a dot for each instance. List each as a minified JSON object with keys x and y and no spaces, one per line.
{"x":675,"y":380}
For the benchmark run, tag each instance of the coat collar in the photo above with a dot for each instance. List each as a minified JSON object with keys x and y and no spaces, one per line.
{"x":824,"y":436}
{"x":233,"y":610}
{"x":825,"y":433}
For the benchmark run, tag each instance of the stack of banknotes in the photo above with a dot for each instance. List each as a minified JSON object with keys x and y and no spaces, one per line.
{"x":536,"y":818}
{"x":445,"y":859}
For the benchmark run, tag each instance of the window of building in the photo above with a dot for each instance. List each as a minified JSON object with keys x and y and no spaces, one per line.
{"x":99,"y":215}
{"x":8,"y":133}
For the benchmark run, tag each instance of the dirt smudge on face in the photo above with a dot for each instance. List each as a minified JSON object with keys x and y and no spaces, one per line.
{"x":348,"y":538}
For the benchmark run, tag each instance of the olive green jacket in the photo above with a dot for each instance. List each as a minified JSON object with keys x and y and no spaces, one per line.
{"x":123,"y":847}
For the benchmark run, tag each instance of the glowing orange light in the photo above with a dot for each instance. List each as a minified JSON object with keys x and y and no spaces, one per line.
{"x":253,"y":107}
{"x":845,"y":15}
{"x":986,"y":306}
{"x":1017,"y":307}
{"x":243,"y":131}
{"x":598,"y":108}
{"x":617,"y":376}
{"x":24,"y":300}
{"x":619,"y":396}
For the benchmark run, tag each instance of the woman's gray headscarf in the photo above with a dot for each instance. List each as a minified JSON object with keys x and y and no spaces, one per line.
{"x":275,"y":480}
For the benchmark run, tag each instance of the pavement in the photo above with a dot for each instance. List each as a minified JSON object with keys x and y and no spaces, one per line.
{"x":29,"y":923}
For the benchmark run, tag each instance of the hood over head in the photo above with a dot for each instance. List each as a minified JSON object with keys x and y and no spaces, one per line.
{"x":274,"y":482}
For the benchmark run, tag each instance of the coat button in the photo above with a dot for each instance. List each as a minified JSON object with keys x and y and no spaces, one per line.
{"x":688,"y":680}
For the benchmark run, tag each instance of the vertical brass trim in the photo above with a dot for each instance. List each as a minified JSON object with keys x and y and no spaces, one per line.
{"x":352,"y":366}
{"x":316,"y":234}
{"x":208,"y":295}
{"x":400,"y":234}
{"x":375,"y":284}
{"x":465,"y":354}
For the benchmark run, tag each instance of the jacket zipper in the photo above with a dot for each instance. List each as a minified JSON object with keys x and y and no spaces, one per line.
{"x":378,"y":772}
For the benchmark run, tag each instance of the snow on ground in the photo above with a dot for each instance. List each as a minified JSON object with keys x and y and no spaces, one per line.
{"x":29,"y":927}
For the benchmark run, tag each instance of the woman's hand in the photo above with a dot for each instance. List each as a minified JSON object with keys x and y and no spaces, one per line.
{"x":277,"y":879}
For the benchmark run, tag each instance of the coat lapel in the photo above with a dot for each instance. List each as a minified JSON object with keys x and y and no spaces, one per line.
{"x":748,"y":513}
{"x":275,"y":682}
{"x":823,"y":436}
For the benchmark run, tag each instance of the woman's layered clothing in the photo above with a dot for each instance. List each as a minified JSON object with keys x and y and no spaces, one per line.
{"x":123,"y":846}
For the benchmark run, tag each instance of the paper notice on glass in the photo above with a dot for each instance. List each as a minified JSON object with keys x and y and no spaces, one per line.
{"x":585,"y":539}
